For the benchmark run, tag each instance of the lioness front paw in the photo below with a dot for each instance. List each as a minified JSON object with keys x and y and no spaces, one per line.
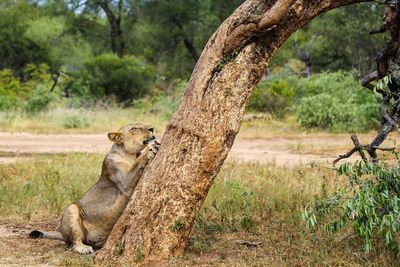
{"x":83,"y":249}
{"x":154,"y":146}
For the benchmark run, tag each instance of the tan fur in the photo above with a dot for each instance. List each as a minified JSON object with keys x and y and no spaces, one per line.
{"x":87,"y":223}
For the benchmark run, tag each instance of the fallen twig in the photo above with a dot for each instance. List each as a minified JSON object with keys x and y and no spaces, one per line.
{"x":248,"y":243}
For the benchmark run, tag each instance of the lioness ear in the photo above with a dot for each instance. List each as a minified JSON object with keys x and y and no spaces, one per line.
{"x":115,"y":137}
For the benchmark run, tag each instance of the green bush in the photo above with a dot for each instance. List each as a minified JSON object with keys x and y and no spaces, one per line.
{"x":160,"y":102}
{"x":272,"y":96}
{"x":9,"y":87}
{"x":370,"y":203}
{"x":38,"y":100}
{"x":32,"y":95}
{"x":336,"y":102}
{"x":319,"y":111}
{"x":126,"y":78}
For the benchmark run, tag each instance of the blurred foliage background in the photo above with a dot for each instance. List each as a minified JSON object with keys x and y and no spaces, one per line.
{"x":61,"y":53}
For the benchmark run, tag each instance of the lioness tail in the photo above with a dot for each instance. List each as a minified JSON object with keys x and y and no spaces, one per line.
{"x":38,"y":234}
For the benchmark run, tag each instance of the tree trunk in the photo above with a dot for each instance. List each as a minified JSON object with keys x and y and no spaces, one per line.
{"x":190,"y":47}
{"x":159,"y":217}
{"x":188,"y":44}
{"x":116,"y":33}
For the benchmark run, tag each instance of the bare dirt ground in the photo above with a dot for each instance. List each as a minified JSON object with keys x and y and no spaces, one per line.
{"x":286,"y":151}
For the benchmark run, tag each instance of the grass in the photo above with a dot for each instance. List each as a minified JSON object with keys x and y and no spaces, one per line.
{"x":63,"y":120}
{"x":99,"y":120}
{"x":248,"y":201}
{"x":45,"y":184}
{"x":60,"y":119}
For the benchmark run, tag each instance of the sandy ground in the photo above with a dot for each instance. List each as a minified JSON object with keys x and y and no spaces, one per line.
{"x":281,"y":151}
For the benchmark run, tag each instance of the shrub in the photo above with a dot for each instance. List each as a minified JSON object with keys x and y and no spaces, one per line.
{"x":370,"y":203}
{"x":37,"y":101}
{"x":9,"y":87}
{"x":335,"y":101}
{"x":320,"y":111}
{"x":272,"y":96}
{"x":33,"y":95}
{"x":127,"y":78}
{"x":160,"y":102}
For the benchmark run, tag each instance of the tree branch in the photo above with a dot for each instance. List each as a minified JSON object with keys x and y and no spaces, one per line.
{"x":357,"y":148}
{"x":373,"y":76}
{"x":275,"y":14}
{"x":385,"y":114}
{"x":345,"y":156}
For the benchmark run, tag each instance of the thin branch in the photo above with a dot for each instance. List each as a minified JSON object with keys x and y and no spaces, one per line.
{"x":55,"y":81}
{"x":366,"y":82}
{"x":345,"y":156}
{"x":385,"y":114}
{"x":357,"y":148}
{"x":109,"y":12}
{"x":382,"y":29}
{"x":385,"y":148}
{"x":248,"y":243}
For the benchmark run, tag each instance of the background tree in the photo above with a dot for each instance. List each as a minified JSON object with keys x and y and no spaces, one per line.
{"x":114,"y":13}
{"x":338,"y":44}
{"x":174,"y":32}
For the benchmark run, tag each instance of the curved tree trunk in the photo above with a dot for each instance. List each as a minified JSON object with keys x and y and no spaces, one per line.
{"x":159,"y":217}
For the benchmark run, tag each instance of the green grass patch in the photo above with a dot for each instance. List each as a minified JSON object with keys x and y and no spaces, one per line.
{"x":247,"y":201}
{"x":45,"y":184}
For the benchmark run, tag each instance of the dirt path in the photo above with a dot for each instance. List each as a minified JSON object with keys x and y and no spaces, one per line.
{"x":281,"y":151}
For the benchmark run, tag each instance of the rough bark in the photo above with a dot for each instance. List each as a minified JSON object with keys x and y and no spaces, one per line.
{"x":159,"y":217}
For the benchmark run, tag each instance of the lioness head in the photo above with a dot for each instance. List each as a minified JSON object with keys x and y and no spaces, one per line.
{"x":134,"y":137}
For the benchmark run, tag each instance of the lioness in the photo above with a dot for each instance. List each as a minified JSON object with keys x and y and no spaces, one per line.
{"x":87,"y":223}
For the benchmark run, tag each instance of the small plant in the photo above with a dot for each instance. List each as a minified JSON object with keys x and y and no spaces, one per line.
{"x":139,"y":256}
{"x":178,"y":225}
{"x":225,"y":60}
{"x":370,"y":203}
{"x":119,"y":248}
{"x":248,"y":223}
{"x":74,"y":121}
{"x":205,"y":233}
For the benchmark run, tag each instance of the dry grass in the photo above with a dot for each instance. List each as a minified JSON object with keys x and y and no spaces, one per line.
{"x":247,"y":201}
{"x":61,"y":120}
{"x":43,"y":186}
{"x":99,"y":120}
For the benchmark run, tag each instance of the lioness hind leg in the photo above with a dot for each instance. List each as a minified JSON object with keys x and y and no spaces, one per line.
{"x":72,"y":230}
